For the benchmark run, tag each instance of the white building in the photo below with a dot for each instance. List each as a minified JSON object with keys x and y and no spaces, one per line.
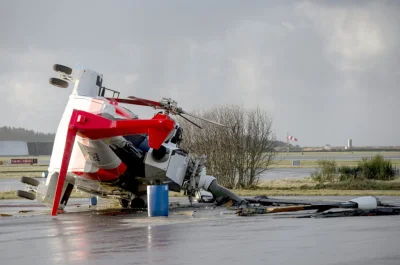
{"x":349,"y":144}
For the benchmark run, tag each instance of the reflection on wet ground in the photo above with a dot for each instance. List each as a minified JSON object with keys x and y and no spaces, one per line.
{"x":207,"y":236}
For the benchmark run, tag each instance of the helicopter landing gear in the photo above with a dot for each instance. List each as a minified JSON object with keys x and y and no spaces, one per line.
{"x":30,"y":181}
{"x":62,"y":69}
{"x":26,"y":195}
{"x":135,"y":203}
{"x":58,"y":82}
{"x":124,"y":203}
{"x":64,"y":76}
{"x":138,"y":203}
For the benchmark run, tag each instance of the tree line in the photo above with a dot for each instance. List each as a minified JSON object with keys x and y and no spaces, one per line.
{"x":20,"y":134}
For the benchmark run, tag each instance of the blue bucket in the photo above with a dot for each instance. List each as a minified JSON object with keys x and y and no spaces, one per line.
{"x":157,"y":200}
{"x":93,"y":200}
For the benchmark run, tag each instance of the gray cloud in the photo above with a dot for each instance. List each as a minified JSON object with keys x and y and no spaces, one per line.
{"x":326,"y":70}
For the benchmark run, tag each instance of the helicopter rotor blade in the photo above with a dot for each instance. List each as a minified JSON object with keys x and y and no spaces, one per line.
{"x":190,"y":121}
{"x":173,"y":109}
{"x":128,"y":101}
{"x":204,"y":119}
{"x":147,"y":102}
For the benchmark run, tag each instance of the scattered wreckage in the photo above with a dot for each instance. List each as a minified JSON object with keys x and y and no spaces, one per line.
{"x":361,"y":206}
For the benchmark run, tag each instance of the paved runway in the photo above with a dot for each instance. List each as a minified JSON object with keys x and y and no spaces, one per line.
{"x":286,"y":173}
{"x":326,"y":155}
{"x":207,"y":238}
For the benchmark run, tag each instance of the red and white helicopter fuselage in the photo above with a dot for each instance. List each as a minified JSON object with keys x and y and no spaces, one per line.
{"x":104,"y":149}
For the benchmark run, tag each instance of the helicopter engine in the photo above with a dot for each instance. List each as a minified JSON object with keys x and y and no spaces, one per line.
{"x":169,"y":162}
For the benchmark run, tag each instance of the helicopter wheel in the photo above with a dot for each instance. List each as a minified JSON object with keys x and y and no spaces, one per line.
{"x":63,"y":69}
{"x":58,"y":82}
{"x":26,"y":195}
{"x":30,"y":181}
{"x":138,"y":203}
{"x":124,"y":203}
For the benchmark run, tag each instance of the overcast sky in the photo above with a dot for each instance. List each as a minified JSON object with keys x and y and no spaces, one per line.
{"x":325,"y":70}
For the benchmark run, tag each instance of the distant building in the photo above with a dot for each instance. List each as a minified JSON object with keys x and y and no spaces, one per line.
{"x":349,"y":144}
{"x":328,"y":147}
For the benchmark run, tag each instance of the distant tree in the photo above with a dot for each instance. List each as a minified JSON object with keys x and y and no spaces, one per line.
{"x":236,"y":155}
{"x":20,"y":134}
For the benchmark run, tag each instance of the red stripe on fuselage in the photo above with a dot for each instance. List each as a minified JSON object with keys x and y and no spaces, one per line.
{"x":103,"y":174}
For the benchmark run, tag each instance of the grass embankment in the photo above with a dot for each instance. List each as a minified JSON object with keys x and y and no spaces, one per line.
{"x":307,"y":187}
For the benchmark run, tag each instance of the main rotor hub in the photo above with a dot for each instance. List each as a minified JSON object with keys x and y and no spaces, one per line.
{"x":170,"y":105}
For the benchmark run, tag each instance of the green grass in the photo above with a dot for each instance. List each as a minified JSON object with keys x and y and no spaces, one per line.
{"x":8,"y":195}
{"x":11,"y":195}
{"x":18,"y":171}
{"x":308,"y":184}
{"x":16,"y":175}
{"x":324,"y":192}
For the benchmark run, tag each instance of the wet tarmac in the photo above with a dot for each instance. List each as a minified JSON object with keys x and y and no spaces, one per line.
{"x":207,"y":236}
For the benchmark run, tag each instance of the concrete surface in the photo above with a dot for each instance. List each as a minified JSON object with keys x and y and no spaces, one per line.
{"x":207,"y":236}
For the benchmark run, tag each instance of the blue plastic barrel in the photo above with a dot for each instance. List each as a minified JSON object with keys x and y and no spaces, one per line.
{"x":93,"y":200}
{"x":157,"y":200}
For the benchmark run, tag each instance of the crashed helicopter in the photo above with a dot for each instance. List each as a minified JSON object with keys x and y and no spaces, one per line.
{"x":104,"y":149}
